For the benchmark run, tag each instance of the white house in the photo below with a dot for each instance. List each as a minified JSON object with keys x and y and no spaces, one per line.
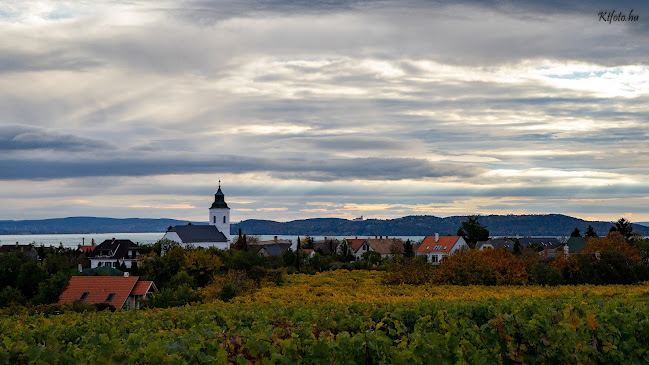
{"x":436,"y":247}
{"x":113,"y":253}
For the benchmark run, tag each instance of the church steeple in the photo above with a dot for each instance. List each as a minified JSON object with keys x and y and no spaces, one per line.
{"x":219,"y":199}
{"x":220,"y":213}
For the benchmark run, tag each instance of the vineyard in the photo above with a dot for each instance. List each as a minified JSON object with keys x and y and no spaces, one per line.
{"x":351,"y":318}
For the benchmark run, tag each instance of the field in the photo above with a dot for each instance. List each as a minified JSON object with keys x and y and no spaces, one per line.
{"x":352,"y":318}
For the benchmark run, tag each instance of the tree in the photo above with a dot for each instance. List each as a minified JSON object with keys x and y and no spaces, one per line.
{"x":297,"y":255}
{"x":518,"y":249}
{"x":408,"y":249}
{"x":575,"y":233}
{"x":473,"y":231}
{"x":590,"y":232}
{"x":624,"y":227}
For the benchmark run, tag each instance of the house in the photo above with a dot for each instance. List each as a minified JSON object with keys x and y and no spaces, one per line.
{"x":114,"y":253}
{"x":327,"y":245}
{"x":436,"y":247}
{"x":384,"y":246}
{"x":574,"y":245}
{"x":541,"y":243}
{"x":273,"y":249}
{"x":120,"y":292}
{"x":198,"y":236}
{"x":216,"y":234}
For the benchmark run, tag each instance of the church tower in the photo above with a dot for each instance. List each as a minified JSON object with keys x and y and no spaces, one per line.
{"x":220,"y":213}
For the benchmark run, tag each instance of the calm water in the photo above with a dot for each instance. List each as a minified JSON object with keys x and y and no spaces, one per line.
{"x":73,"y":240}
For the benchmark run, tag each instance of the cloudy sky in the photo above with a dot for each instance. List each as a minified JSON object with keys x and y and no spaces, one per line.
{"x":328,"y":108}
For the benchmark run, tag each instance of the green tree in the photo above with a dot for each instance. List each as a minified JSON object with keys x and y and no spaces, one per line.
{"x":624,"y":227}
{"x":408,"y":249}
{"x":473,"y":231}
{"x":590,"y":232}
{"x":518,"y":248}
{"x":31,"y":274}
{"x":575,"y":233}
{"x":50,"y":290}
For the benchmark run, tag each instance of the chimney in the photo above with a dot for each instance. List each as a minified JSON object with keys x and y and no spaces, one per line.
{"x":375,"y":236}
{"x":386,"y":236}
{"x":83,"y":241}
{"x":275,"y":238}
{"x":356,"y":237}
{"x":325,"y":239}
{"x":126,"y":274}
{"x":113,"y":239}
{"x":381,"y":236}
{"x":436,"y":237}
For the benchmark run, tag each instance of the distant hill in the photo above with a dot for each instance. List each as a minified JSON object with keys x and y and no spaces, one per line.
{"x":646,"y":224}
{"x":498,"y":225}
{"x":88,"y":225}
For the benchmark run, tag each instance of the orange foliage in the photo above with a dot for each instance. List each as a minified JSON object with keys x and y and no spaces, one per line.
{"x":485,"y":267}
{"x":614,"y":242}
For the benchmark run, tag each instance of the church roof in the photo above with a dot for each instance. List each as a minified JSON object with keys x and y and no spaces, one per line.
{"x":198,"y":233}
{"x":219,"y":200}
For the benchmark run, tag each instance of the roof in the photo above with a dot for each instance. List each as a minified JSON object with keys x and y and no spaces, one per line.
{"x":270,"y":242}
{"x":508,"y":242}
{"x":118,"y":248}
{"x":386,"y":246}
{"x":99,"y":289}
{"x":143,"y":287}
{"x":191,"y":233}
{"x":576,"y":244}
{"x":276,"y":249}
{"x":87,"y":249}
{"x":443,"y":244}
{"x":219,"y":200}
{"x":355,"y":243}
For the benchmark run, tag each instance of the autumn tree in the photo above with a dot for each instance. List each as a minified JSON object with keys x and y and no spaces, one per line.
{"x":473,"y":231}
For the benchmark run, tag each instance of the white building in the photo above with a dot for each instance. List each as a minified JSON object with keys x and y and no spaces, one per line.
{"x":216,"y":234}
{"x":220,"y":213}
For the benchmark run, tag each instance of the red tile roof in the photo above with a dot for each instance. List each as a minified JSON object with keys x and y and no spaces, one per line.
{"x":356,"y":243}
{"x":444,"y":244}
{"x":142,"y":287}
{"x":98,"y":288}
{"x":87,"y":249}
{"x":386,"y":246}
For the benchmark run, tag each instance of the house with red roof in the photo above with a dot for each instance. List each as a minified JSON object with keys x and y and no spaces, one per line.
{"x":436,"y":247}
{"x":118,"y":291}
{"x":385,"y":246}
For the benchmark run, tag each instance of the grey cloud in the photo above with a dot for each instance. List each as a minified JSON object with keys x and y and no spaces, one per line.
{"x":19,"y":138}
{"x":309,"y":169}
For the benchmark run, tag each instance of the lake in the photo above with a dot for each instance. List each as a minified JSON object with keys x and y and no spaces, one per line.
{"x":73,"y":240}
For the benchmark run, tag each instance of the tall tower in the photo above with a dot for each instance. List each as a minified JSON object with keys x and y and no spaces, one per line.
{"x":220,"y":213}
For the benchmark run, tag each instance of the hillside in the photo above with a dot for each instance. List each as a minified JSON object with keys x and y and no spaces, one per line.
{"x":498,"y":225}
{"x":88,"y":225}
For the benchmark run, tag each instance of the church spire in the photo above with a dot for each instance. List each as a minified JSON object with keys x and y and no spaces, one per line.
{"x":219,"y":199}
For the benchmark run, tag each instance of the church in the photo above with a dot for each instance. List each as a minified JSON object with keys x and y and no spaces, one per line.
{"x":216,"y":234}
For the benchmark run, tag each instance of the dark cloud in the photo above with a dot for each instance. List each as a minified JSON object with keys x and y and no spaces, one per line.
{"x":21,"y":138}
{"x":307,"y":169}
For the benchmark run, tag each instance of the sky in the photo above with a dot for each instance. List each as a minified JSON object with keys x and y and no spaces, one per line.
{"x":329,"y":108}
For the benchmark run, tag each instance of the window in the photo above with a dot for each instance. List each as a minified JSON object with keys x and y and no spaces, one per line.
{"x":110,"y":297}
{"x":84,"y":296}
{"x":214,"y":220}
{"x":433,"y":258}
{"x":223,"y":219}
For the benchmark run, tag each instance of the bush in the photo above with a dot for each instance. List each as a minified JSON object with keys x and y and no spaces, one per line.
{"x":228,"y":292}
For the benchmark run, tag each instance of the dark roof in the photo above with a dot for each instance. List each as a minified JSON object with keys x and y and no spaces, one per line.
{"x":198,"y":233}
{"x":508,"y":242}
{"x":119,"y":249}
{"x":219,"y":200}
{"x":276,"y":249}
{"x":576,"y":244}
